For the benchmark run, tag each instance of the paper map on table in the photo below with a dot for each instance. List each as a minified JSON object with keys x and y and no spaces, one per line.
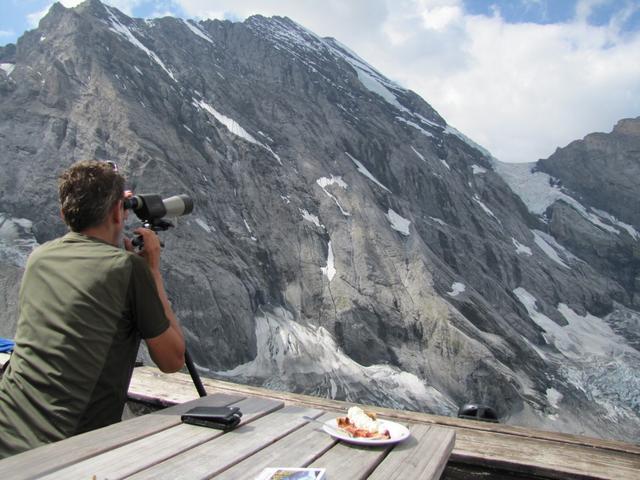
{"x":284,"y":473}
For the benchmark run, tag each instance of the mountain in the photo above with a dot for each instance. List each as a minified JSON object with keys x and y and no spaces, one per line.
{"x":346,"y":241}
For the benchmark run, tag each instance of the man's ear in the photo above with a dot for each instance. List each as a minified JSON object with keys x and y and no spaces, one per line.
{"x":117,"y":213}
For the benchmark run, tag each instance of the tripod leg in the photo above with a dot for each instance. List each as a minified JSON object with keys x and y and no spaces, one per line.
{"x":194,"y":374}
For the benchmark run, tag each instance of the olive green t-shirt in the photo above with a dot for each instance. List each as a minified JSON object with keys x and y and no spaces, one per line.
{"x":84,"y":305}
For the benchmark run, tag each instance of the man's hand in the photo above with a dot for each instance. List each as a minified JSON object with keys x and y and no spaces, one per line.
{"x":151,"y":248}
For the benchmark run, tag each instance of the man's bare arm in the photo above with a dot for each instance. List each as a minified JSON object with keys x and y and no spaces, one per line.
{"x":167,"y":349}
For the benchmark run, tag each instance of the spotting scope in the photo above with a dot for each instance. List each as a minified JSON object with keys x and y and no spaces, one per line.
{"x":152,"y":208}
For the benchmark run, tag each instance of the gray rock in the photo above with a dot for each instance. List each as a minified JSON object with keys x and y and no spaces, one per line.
{"x":602,"y":170}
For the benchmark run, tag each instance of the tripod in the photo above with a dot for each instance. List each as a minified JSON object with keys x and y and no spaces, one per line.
{"x":195,"y":376}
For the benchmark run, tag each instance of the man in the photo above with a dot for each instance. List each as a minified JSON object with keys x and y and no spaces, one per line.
{"x":85,"y":302}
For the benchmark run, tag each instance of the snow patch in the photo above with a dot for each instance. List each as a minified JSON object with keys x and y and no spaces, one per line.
{"x":446,"y":164}
{"x":330,"y":270}
{"x":521,"y":248}
{"x":554,"y":397}
{"x":246,"y":224}
{"x":123,"y":31}
{"x":311,"y":218}
{"x":370,"y":78}
{"x":545,"y":241}
{"x":233,"y":126}
{"x":204,"y":225}
{"x":415,"y":125}
{"x":625,"y":226}
{"x":484,"y":207}
{"x":324,"y":182}
{"x":538,"y":191}
{"x":456,"y":289}
{"x":398,"y":222}
{"x":7,"y":67}
{"x":17,"y":240}
{"x":363,"y":170}
{"x":478,"y":170}
{"x":195,"y":29}
{"x":375,"y":85}
{"x":582,"y":338}
{"x":418,"y":154}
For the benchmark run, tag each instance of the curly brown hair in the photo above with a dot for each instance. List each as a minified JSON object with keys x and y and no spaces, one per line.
{"x":88,"y":190}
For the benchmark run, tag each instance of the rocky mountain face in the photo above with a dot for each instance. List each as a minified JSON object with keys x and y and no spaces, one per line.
{"x":602,"y":171}
{"x":346,"y":241}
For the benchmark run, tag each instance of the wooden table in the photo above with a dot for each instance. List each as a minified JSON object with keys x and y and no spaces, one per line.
{"x":158,"y":446}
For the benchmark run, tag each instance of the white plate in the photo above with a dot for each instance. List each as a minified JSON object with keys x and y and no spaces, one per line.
{"x":397,"y":432}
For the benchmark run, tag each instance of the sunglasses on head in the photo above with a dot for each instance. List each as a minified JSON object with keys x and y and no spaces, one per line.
{"x":114,"y":165}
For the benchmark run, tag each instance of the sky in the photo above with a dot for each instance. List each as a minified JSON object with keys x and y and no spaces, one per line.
{"x":519,"y":77}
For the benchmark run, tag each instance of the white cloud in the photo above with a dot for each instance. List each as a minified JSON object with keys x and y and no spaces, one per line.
{"x":6,"y":33}
{"x":441,"y":17}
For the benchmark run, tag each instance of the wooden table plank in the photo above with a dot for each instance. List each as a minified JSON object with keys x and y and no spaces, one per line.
{"x":48,"y":458}
{"x":545,"y":458}
{"x":133,"y":457}
{"x":297,"y":449}
{"x":350,"y":461}
{"x":423,"y":455}
{"x":210,"y":458}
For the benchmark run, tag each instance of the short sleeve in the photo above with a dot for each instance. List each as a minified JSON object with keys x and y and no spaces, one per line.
{"x":146,"y":308}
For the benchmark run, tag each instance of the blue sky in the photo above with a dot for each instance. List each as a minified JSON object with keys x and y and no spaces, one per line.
{"x":552,"y":11}
{"x":520,"y":77}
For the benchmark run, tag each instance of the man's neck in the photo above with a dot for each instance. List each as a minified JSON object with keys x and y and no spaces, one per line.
{"x":102,"y":232}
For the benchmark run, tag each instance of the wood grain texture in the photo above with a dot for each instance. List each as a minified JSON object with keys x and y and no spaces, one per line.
{"x":150,"y":450}
{"x":544,"y":457}
{"x":297,"y":449}
{"x":219,"y":454}
{"x":40,"y":461}
{"x":423,"y":455}
{"x":351,"y":461}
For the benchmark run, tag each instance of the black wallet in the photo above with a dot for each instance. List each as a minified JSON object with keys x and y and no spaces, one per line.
{"x":222,"y":418}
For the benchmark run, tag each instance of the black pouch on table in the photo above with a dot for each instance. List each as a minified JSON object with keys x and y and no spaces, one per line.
{"x":222,"y":418}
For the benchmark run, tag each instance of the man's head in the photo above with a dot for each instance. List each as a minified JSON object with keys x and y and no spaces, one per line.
{"x":88,"y":192}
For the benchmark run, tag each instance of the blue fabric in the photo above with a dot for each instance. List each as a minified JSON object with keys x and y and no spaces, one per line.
{"x":6,"y":345}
